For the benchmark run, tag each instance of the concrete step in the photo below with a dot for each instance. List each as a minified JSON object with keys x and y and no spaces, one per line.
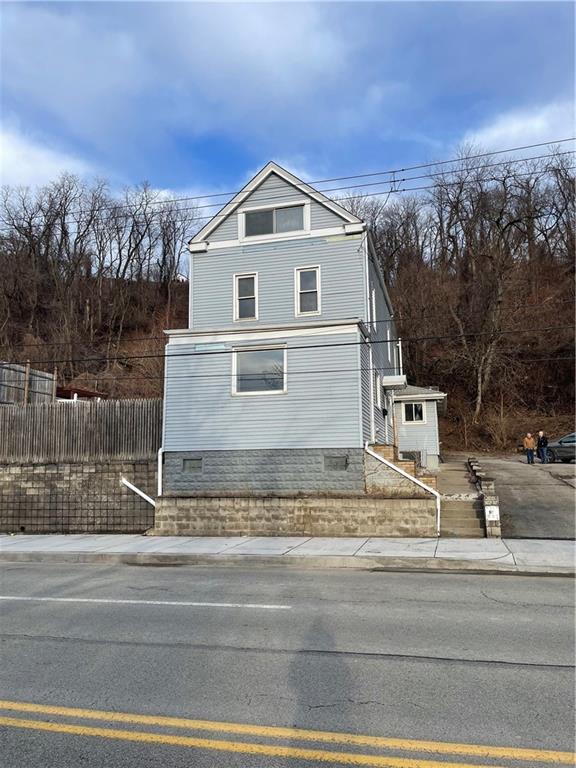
{"x":407,"y":466}
{"x":388,"y":452}
{"x":461,"y":519}
{"x":462,"y":506}
{"x":458,"y":534}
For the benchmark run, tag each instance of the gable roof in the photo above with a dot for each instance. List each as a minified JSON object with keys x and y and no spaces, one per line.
{"x":268,"y":170}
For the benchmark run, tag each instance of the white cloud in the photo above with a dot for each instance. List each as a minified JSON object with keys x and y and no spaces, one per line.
{"x":547,"y":122}
{"x":25,"y":161}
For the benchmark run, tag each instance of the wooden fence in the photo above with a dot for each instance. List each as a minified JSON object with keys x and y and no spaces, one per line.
{"x":80,"y":431}
{"x":20,"y":384}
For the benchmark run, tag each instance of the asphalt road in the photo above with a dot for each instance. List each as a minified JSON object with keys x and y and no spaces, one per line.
{"x":486,"y":662}
{"x":536,"y":501}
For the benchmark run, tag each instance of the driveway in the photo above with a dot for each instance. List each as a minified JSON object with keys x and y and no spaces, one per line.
{"x":536,"y":501}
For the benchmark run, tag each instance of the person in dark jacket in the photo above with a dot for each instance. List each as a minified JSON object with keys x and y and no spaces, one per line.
{"x":542,"y":447}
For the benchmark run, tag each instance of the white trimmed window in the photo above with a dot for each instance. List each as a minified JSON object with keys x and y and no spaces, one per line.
{"x":413,"y":413}
{"x":246,"y":296}
{"x":259,"y":371}
{"x":307,"y":294}
{"x":273,"y":221}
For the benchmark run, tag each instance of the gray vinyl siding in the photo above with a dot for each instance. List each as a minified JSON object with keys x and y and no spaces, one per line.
{"x":276,"y":190}
{"x":228,"y":229}
{"x":383,"y":352}
{"x":341,"y":281}
{"x":366,"y":393}
{"x":418,"y":436}
{"x":319,"y":410}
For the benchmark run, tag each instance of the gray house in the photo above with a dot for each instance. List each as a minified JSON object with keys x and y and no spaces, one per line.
{"x":287,"y":369}
{"x":416,"y":416}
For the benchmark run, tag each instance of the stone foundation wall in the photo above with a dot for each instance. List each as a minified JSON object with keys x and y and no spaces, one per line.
{"x":76,"y":498}
{"x":293,"y":516}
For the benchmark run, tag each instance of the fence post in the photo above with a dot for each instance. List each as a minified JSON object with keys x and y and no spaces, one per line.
{"x":54,"y":383}
{"x":26,"y":382}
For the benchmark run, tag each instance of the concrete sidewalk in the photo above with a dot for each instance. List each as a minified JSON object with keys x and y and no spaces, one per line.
{"x":486,"y":555}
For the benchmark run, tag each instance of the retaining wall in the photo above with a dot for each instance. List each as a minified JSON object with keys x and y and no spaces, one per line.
{"x":76,"y":497}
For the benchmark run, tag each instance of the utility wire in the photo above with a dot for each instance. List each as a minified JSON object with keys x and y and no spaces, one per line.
{"x":552,"y":303}
{"x":271,"y":345}
{"x":116,"y":206}
{"x":185,"y":377}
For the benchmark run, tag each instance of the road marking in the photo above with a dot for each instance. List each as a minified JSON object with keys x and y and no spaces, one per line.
{"x":176,"y":603}
{"x":299,"y":734}
{"x":315,"y":755}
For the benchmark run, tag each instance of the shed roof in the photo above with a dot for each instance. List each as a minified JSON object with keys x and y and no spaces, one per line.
{"x":411,"y":391}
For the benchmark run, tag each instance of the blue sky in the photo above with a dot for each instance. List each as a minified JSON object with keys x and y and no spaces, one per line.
{"x":198,"y":96}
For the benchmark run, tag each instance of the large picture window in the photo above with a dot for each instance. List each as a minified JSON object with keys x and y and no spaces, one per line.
{"x":413,"y":412}
{"x":246,"y":297}
{"x":259,"y":371}
{"x":308,"y":291}
{"x":270,"y":221}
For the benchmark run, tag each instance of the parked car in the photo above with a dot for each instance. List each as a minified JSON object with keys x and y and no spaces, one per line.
{"x":563,"y":449}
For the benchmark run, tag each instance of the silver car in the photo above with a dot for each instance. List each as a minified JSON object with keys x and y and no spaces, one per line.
{"x":563,"y":449}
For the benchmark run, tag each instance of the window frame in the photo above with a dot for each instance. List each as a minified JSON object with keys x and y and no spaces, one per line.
{"x":421,"y":403}
{"x":301,"y":202}
{"x":297,"y":291}
{"x":265,"y":393}
{"x":236,"y":297}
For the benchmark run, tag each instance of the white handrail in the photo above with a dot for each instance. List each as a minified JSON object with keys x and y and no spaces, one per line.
{"x":411,"y":478}
{"x":140,"y":493}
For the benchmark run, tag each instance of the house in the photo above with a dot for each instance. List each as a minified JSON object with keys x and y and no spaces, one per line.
{"x":285,"y":377}
{"x":416,"y":416}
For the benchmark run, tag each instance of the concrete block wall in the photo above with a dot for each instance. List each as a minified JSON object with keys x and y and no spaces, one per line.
{"x":309,"y":492}
{"x":76,"y":497}
{"x":305,"y":470}
{"x":293,"y":516}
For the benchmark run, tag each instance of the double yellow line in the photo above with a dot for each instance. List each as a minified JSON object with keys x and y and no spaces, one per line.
{"x":349,"y":740}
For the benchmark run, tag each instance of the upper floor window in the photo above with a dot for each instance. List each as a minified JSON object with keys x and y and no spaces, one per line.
{"x":246,"y":297}
{"x":308,"y":291}
{"x":413,"y":412}
{"x":275,"y":220}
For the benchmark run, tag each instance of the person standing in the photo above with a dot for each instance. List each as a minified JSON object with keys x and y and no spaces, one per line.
{"x":529,"y":446}
{"x":542,"y":447}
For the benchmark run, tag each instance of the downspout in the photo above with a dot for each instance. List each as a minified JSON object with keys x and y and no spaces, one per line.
{"x":400,"y":361}
{"x":413,"y":479}
{"x":159,"y":473}
{"x":372,"y":419}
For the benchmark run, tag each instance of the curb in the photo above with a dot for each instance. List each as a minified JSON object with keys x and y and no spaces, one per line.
{"x":374,"y":564}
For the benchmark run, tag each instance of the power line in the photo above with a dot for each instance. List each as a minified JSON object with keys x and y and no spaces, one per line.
{"x":150,"y":377}
{"x":397,"y":318}
{"x":115,"y":206}
{"x":434,"y":337}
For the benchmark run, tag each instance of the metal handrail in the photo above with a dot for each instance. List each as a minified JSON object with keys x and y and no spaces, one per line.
{"x":411,"y":478}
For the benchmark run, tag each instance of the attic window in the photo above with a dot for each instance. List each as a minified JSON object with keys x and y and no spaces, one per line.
{"x":271,"y":221}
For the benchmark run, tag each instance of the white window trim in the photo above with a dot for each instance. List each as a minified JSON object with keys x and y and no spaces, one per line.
{"x":236,"y":306}
{"x":305,"y":232}
{"x":297,"y":271}
{"x":414,"y":402}
{"x":282,"y":391}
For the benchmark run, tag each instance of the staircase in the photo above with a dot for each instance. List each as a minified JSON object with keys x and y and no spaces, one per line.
{"x":390,"y":453}
{"x":462,"y":511}
{"x":462,"y":519}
